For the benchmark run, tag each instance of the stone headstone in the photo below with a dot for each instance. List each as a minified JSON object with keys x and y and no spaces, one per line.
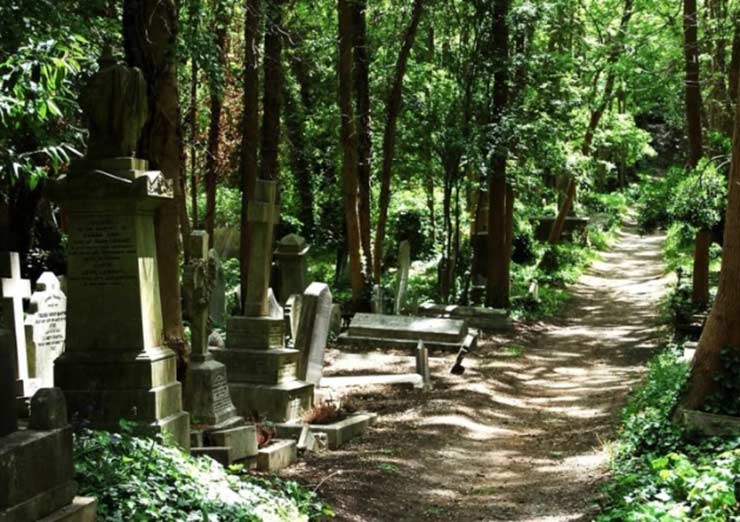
{"x":13,"y":289}
{"x":293,"y":315}
{"x":217,"y":307}
{"x":402,"y":281}
{"x":313,"y":332}
{"x":395,"y":331}
{"x":422,"y":366}
{"x":376,"y":300}
{"x":115,"y":365}
{"x":291,"y":257}
{"x":47,"y":325}
{"x":335,"y":323}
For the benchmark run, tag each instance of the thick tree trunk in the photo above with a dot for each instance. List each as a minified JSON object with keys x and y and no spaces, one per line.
{"x":498,"y":278}
{"x":150,"y":40}
{"x":250,"y":129}
{"x":364,"y":129}
{"x":393,"y":110}
{"x":349,"y":148}
{"x":596,"y":115}
{"x":214,"y":130}
{"x":722,"y":329}
{"x":273,"y":83}
{"x":693,"y":87}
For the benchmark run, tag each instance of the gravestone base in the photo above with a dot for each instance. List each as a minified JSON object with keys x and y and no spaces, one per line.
{"x":82,"y":509}
{"x":103,"y":388}
{"x":278,"y":402}
{"x":207,"y":398}
{"x":36,"y":474}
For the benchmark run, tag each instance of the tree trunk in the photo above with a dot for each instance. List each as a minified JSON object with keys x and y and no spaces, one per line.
{"x":193,"y":124}
{"x":393,"y":110}
{"x":214,"y":132}
{"x":250,"y":130}
{"x":150,"y":40}
{"x":595,"y":119}
{"x":299,"y":162}
{"x":364,"y":130}
{"x":273,"y":83}
{"x":349,"y":148}
{"x":693,"y":87}
{"x":498,"y":278}
{"x":700,"y":290}
{"x":722,"y":329}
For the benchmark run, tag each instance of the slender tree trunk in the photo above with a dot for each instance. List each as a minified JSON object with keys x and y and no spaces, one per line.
{"x":693,"y":87}
{"x":393,"y":110}
{"x":510,"y":197}
{"x":150,"y":40}
{"x":570,"y":193}
{"x":349,"y":148}
{"x":722,"y":330}
{"x":193,"y":123}
{"x":700,"y":289}
{"x":269,"y":168}
{"x":250,"y":130}
{"x":364,"y":129}
{"x":498,"y":278}
{"x":214,"y":132}
{"x":299,"y":162}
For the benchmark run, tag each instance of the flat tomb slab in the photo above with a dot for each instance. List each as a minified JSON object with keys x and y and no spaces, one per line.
{"x":709,"y":424}
{"x":395,"y":331}
{"x":338,"y":433}
{"x":369,"y":380}
{"x":489,"y":319}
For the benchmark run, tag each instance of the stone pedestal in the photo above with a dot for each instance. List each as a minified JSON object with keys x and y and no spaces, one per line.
{"x":262,"y":372}
{"x":36,"y":470}
{"x":114,"y":366}
{"x":291,"y":257}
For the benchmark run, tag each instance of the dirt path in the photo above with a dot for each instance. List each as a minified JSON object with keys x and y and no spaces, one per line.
{"x":521,"y":435}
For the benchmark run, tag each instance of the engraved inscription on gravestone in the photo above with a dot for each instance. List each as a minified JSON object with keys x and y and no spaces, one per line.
{"x":47,"y":320}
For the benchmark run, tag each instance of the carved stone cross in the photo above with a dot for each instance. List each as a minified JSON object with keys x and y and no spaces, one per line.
{"x":199,"y":281}
{"x":13,"y":290}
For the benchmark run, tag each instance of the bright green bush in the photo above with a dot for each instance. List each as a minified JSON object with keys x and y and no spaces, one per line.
{"x":136,"y":479}
{"x":700,"y":197}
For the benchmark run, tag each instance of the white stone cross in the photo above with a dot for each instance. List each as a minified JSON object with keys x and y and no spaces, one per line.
{"x":13,"y":290}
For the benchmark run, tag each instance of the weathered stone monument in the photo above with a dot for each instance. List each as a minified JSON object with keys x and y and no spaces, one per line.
{"x":262,"y":372}
{"x":46,"y":325}
{"x":36,"y":470}
{"x":114,"y":366}
{"x":291,"y":257}
{"x":313,"y":332}
{"x":402,"y":280}
{"x":217,"y":307}
{"x":13,"y":289}
{"x":376,"y":300}
{"x":225,"y":435}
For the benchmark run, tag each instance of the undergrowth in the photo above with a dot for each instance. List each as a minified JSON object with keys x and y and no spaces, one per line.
{"x":660,"y":471}
{"x":137,"y":479}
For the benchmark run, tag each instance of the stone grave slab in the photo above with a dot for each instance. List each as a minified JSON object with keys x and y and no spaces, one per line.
{"x":488,"y":319}
{"x":46,"y":328}
{"x":394,"y":331}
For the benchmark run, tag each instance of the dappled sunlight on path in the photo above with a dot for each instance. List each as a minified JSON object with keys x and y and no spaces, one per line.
{"x":521,"y":435}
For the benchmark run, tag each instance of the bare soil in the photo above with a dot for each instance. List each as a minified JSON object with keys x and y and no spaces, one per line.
{"x":523,"y":434}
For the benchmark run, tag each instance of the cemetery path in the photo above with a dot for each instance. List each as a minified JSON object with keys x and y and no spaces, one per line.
{"x":521,"y":436}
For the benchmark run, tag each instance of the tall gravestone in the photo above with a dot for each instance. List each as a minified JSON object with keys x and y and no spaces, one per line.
{"x":313,"y":331}
{"x":262,"y":371}
{"x":46,"y":325}
{"x":291,"y":257}
{"x":13,"y":290}
{"x":402,"y":281}
{"x":115,"y":366}
{"x":207,"y":397}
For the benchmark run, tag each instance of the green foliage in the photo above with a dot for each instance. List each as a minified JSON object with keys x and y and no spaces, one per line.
{"x":725,"y":400}
{"x":661,"y":472}
{"x":137,"y":479}
{"x":654,"y":200}
{"x":699,"y":199}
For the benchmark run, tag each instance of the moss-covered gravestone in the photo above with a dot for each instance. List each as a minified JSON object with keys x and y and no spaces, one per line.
{"x":115,"y":366}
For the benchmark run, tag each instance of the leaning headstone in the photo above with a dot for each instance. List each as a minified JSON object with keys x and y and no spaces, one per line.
{"x":262,"y":370}
{"x":217,"y":308}
{"x":115,"y":366}
{"x":313,"y":332}
{"x":47,"y":325}
{"x":13,"y":289}
{"x":376,"y":300}
{"x":396,"y":331}
{"x":291,"y":257}
{"x":402,"y":282}
{"x":207,"y":396}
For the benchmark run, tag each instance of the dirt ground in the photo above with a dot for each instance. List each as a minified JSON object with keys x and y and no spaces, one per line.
{"x":523,"y":434}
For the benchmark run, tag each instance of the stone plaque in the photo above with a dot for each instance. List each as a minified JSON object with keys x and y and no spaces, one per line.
{"x":47,"y":321}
